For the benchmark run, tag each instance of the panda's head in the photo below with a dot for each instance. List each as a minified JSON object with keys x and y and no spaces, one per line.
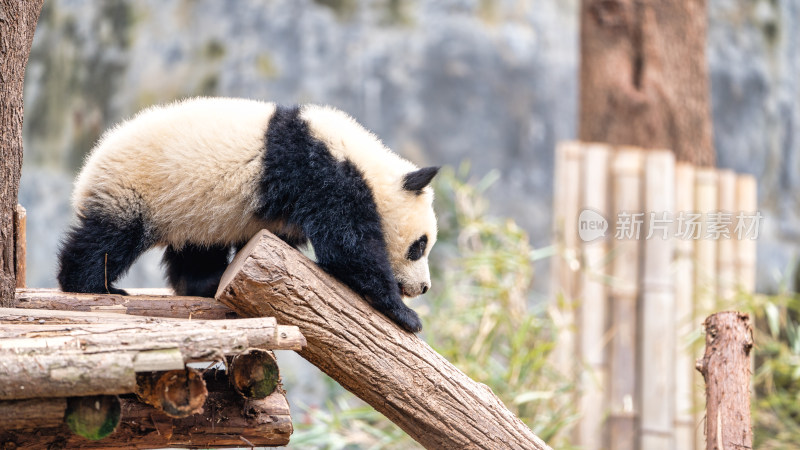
{"x":410,"y":232}
{"x":402,"y":193}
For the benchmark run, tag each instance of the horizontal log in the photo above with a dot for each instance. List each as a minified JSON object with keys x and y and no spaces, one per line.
{"x":194,"y":337}
{"x":19,"y":316}
{"x":31,"y":414}
{"x":65,"y":374}
{"x":141,"y":302}
{"x":394,"y":371}
{"x":228,"y":420}
{"x":93,"y":359}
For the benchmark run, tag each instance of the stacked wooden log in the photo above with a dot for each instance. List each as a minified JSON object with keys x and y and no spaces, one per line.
{"x":105,"y":371}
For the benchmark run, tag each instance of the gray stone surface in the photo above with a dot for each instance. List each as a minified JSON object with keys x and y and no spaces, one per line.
{"x":494,"y":82}
{"x":754,"y":60}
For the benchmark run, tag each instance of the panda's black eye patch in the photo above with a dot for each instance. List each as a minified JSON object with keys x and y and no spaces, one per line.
{"x":417,"y":249}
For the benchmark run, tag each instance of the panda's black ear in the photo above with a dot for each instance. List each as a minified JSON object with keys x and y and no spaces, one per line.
{"x":417,"y":180}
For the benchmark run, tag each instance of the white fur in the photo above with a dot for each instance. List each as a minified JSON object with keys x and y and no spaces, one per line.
{"x":190,"y":168}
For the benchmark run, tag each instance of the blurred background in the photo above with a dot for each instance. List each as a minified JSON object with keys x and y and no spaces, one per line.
{"x":491,"y":84}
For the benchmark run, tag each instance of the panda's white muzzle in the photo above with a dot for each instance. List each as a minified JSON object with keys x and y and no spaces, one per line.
{"x":414,"y":279}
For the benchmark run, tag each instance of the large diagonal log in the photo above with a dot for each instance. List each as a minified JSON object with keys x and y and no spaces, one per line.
{"x":394,"y":371}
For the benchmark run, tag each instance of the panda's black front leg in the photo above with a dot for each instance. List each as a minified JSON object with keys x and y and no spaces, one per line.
{"x":364,"y":267}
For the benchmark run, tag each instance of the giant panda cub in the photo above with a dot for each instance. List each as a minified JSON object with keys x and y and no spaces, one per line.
{"x":202,"y":176}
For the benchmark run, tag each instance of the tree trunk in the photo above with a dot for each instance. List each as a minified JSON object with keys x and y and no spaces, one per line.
{"x":17,"y":23}
{"x":394,"y":371}
{"x":726,"y":370}
{"x":644,"y":76}
{"x":227,"y":420}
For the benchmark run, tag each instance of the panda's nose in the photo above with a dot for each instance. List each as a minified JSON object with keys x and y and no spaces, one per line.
{"x":425,"y":287}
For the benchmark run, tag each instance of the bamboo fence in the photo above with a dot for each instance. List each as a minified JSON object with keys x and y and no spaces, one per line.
{"x":646,"y":248}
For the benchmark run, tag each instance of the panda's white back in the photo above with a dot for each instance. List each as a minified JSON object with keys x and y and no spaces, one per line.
{"x":189,"y":168}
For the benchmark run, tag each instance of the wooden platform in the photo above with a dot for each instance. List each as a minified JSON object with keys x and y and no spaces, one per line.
{"x":228,"y":418}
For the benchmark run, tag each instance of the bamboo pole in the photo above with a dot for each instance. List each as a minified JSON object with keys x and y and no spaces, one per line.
{"x":706,"y":201}
{"x":684,"y":314}
{"x":726,"y":253}
{"x":103,"y":358}
{"x":20,"y":244}
{"x":746,"y":206}
{"x":394,"y":371}
{"x":566,"y":264}
{"x":627,"y":204}
{"x":726,"y":371}
{"x":705,"y":250}
{"x":657,"y":330}
{"x":593,"y":310}
{"x":142,"y":302}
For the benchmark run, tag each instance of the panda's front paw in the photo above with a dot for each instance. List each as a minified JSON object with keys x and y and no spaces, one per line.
{"x":406,"y":318}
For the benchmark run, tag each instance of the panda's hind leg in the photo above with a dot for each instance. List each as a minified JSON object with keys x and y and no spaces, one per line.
{"x":196,"y":270}
{"x":98,"y":250}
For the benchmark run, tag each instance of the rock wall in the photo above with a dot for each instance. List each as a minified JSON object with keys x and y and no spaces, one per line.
{"x":492,"y":82}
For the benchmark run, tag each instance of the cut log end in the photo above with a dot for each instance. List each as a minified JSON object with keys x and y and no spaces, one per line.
{"x":179,"y":393}
{"x":93,"y":417}
{"x":255,"y":374}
